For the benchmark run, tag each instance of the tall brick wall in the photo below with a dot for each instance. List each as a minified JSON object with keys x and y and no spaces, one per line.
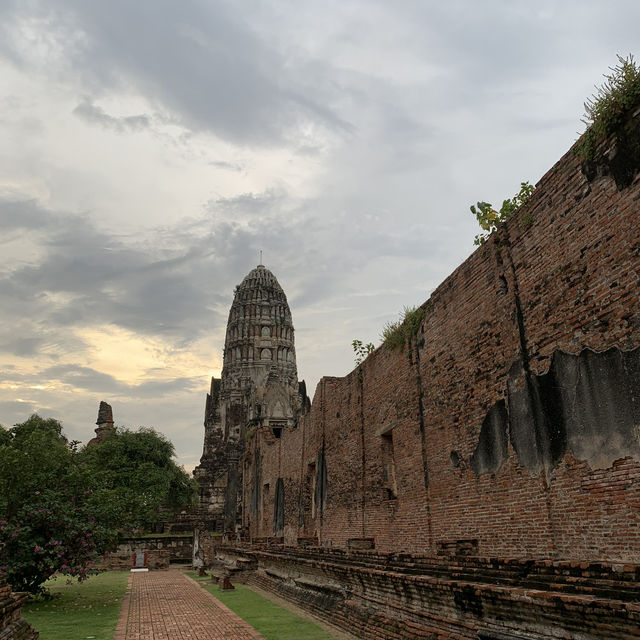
{"x":481,"y":436}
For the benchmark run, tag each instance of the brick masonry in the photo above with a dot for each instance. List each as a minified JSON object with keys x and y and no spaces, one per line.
{"x":398,"y":435}
{"x":507,"y":428}
{"x":161,"y":551}
{"x":12,"y":625}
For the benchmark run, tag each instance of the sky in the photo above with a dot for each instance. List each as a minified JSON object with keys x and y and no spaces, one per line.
{"x":149,"y":150}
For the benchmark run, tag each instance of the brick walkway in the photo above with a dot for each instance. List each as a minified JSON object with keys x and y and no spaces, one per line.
{"x":167,"y":605}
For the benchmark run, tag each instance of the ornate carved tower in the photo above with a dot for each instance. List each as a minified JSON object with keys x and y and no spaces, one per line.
{"x":258,"y":388}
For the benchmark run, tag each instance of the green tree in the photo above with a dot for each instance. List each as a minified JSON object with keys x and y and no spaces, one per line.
{"x":489,"y":219}
{"x":47,"y":517}
{"x":60,"y":508}
{"x":135,"y":475}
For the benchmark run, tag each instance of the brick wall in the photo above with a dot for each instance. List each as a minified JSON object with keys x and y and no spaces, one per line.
{"x":122,"y":560}
{"x":179,"y":547}
{"x":404,"y":597}
{"x":508,"y":427}
{"x":482,"y":482}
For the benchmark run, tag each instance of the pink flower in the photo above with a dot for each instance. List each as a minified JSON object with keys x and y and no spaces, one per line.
{"x":37,"y":548}
{"x":37,"y":493}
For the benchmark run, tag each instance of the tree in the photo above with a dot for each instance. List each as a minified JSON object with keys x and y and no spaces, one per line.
{"x":47,"y":519}
{"x":489,"y":219}
{"x":61,"y":508}
{"x":135,"y":474}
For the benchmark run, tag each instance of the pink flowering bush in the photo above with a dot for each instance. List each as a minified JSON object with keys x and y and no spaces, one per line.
{"x":48,"y":523}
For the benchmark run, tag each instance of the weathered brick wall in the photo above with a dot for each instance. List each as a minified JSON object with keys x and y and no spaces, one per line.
{"x":161,"y":550}
{"x":475,"y":437}
{"x":390,"y":596}
{"x":179,"y":547}
{"x":12,"y":625}
{"x":122,"y":560}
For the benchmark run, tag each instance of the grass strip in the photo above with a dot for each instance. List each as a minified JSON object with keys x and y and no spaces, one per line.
{"x":266,"y":617}
{"x":82,"y":610}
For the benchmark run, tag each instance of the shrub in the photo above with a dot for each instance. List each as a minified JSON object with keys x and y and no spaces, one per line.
{"x":394,"y":334}
{"x":610,"y":105}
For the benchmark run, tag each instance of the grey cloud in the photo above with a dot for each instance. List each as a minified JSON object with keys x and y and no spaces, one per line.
{"x":16,"y":411}
{"x":199,"y":60}
{"x":22,"y":346}
{"x":163,"y":388}
{"x":105,"y":384}
{"x":247,"y":204}
{"x":231,"y":166}
{"x":82,"y":378}
{"x":103,"y":278}
{"x":96,"y":115}
{"x":22,"y":215}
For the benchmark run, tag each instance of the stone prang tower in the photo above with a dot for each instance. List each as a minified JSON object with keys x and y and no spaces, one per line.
{"x":258,"y":389}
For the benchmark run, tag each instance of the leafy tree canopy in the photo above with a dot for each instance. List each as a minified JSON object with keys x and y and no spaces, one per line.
{"x":61,"y":507}
{"x":137,"y":468}
{"x":47,"y":520}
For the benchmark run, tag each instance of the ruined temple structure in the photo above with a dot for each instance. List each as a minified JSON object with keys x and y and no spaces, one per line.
{"x":258,"y":390}
{"x":105,"y":423}
{"x":482,"y":482}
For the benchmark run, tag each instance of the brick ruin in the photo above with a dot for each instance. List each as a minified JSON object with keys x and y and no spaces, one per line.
{"x":484,"y":480}
{"x":105,"y":425}
{"x":12,"y":625}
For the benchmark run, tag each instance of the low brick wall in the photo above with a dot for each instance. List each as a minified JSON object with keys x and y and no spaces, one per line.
{"x":179,"y":547}
{"x":118,"y":561}
{"x":380,"y":596}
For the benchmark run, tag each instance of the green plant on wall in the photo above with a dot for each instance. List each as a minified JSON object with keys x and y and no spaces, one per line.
{"x":489,"y":219}
{"x":394,"y":334}
{"x":608,"y":108}
{"x":361,"y":351}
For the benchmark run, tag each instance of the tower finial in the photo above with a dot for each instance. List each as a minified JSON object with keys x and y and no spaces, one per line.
{"x":260,"y":264}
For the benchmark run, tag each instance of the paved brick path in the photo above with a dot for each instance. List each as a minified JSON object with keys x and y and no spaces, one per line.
{"x":167,"y":605}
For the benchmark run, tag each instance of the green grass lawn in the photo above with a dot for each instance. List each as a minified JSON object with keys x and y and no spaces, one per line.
{"x":272,"y":621}
{"x":83,"y":610}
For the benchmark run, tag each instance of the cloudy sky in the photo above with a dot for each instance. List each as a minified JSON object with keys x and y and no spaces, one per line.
{"x":150,"y":149}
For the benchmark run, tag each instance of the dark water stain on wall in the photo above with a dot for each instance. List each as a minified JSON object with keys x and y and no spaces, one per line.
{"x":322,"y":487}
{"x":491,"y":451}
{"x":278,"y":508}
{"x":586,"y":404}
